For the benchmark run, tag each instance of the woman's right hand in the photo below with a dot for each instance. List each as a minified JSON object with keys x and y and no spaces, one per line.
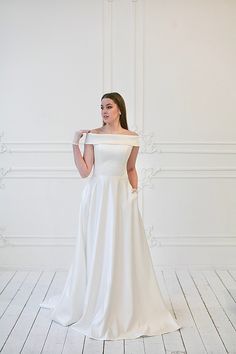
{"x":78,"y":135}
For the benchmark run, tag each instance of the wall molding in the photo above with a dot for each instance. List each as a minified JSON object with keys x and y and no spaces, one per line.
{"x":107,"y":67}
{"x":146,"y":176}
{"x":148,"y":144}
{"x":145,"y":150}
{"x":153,"y":241}
{"x":138,"y":67}
{"x":158,"y":240}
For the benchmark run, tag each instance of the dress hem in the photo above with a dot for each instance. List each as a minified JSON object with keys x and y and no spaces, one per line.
{"x":143,"y":334}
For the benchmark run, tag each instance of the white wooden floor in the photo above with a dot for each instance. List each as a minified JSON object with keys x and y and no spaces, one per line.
{"x":202,"y":301}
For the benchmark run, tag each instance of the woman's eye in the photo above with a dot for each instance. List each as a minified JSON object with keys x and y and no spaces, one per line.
{"x":107,"y":107}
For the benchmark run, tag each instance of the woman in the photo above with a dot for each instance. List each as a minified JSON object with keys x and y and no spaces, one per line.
{"x":111,"y":291}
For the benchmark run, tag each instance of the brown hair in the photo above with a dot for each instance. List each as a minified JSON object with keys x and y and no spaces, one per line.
{"x":118,"y":99}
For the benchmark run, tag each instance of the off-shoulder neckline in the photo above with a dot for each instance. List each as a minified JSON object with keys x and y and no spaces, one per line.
{"x":133,"y":135}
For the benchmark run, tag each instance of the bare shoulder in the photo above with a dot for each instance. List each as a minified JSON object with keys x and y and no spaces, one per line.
{"x":101,"y":130}
{"x":95,"y":130}
{"x":132,"y":133}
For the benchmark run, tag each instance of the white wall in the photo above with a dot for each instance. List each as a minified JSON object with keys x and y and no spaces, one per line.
{"x":174,"y":63}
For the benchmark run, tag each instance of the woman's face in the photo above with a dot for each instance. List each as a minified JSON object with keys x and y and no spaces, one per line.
{"x":109,"y":110}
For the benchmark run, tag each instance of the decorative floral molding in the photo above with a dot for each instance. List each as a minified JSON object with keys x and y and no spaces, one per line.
{"x":152,"y":240}
{"x":3,"y":173}
{"x":148,"y":145}
{"x":3,"y":146}
{"x":3,"y":239}
{"x":147,"y":174}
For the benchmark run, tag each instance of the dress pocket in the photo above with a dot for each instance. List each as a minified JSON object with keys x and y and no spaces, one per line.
{"x":132,"y":195}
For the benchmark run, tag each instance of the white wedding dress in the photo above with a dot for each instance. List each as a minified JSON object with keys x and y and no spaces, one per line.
{"x":111,"y":291}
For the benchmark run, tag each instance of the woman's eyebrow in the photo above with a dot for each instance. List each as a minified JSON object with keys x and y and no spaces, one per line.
{"x":108,"y":104}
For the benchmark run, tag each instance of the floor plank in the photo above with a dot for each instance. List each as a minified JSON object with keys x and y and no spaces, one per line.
{"x":11,"y":290}
{"x":203,"y":321}
{"x":114,"y":346}
{"x":154,"y":345}
{"x":222,"y":324}
{"x":228,"y":281}
{"x":224,"y":297}
{"x":37,"y":336}
{"x":5,"y":278}
{"x":191,"y":337}
{"x":134,"y":346}
{"x":74,"y":342}
{"x":172,"y":341}
{"x":93,"y":346}
{"x":16,"y":307}
{"x":19,"y":333}
{"x":202,"y":301}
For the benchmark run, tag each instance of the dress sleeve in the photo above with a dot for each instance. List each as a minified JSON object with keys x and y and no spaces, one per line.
{"x":136,"y":140}
{"x":88,"y":139}
{"x":118,"y":139}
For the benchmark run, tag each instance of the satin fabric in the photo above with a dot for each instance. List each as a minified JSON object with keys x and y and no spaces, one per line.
{"x":111,"y":291}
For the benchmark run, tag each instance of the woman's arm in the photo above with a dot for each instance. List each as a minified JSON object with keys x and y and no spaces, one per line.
{"x":131,"y":170}
{"x":83,"y":163}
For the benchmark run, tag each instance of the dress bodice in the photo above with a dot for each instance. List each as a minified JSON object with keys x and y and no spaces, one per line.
{"x":111,"y":152}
